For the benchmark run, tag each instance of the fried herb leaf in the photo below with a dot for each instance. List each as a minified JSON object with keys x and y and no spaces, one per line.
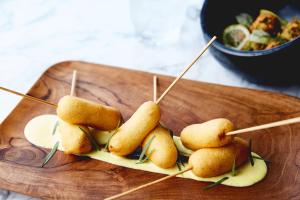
{"x":145,"y":149}
{"x":260,"y":36}
{"x":91,"y":139}
{"x":244,"y":19}
{"x":215,"y":183}
{"x":261,"y":33}
{"x":50,"y":154}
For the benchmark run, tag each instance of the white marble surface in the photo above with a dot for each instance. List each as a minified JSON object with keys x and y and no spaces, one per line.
{"x":35,"y":34}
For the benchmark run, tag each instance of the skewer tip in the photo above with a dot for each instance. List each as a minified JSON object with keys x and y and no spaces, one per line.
{"x":186,"y":69}
{"x":73,"y":84}
{"x":154,"y":88}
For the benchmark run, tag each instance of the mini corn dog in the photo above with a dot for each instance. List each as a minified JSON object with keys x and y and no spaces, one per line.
{"x":208,"y":134}
{"x":132,"y":133}
{"x":162,"y":150}
{"x":210,"y":162}
{"x":76,"y":110}
{"x":73,"y":138}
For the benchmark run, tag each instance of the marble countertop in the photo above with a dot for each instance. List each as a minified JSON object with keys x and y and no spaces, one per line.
{"x":36,"y":34}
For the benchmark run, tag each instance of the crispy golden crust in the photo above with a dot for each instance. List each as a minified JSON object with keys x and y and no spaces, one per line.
{"x":267,"y":22}
{"x":131,"y":134}
{"x":207,"y":134}
{"x":73,"y":139}
{"x":164,"y":151}
{"x":291,"y":30}
{"x":80,"y":111}
{"x":210,"y":162}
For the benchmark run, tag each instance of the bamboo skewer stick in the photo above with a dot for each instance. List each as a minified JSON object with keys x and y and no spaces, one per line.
{"x":73,"y":84}
{"x":260,"y":127}
{"x":28,"y":96}
{"x":157,"y":102}
{"x":265,"y":126}
{"x":250,"y":129}
{"x":186,"y":69}
{"x":148,"y":184}
{"x":255,"y":128}
{"x":154,"y":88}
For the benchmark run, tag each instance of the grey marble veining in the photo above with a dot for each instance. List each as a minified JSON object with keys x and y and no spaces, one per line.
{"x":36,"y":34}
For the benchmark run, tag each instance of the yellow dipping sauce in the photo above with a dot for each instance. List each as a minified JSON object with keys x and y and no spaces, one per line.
{"x":38,"y":131}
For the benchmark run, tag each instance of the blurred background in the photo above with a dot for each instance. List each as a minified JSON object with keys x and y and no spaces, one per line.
{"x":148,"y":35}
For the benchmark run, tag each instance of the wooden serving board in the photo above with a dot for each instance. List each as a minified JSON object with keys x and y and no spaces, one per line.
{"x":71,"y":177}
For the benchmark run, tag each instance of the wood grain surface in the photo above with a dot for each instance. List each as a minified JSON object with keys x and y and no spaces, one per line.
{"x":71,"y":177}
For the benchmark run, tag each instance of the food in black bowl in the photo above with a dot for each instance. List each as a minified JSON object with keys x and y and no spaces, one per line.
{"x":257,"y":38}
{"x":267,"y":31}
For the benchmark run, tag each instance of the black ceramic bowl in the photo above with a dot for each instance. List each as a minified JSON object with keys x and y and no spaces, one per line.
{"x":280,"y":65}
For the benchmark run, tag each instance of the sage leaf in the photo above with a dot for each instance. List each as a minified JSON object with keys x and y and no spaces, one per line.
{"x":260,"y":36}
{"x":244,"y":19}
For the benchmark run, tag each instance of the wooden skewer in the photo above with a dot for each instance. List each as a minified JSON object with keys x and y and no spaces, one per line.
{"x":186,"y":69}
{"x":255,"y":128}
{"x":154,"y":88}
{"x":265,"y":126}
{"x":149,"y":184}
{"x":73,"y":86}
{"x":28,"y":97}
{"x":260,"y":127}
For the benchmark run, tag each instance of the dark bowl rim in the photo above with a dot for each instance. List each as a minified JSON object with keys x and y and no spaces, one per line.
{"x":231,"y":51}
